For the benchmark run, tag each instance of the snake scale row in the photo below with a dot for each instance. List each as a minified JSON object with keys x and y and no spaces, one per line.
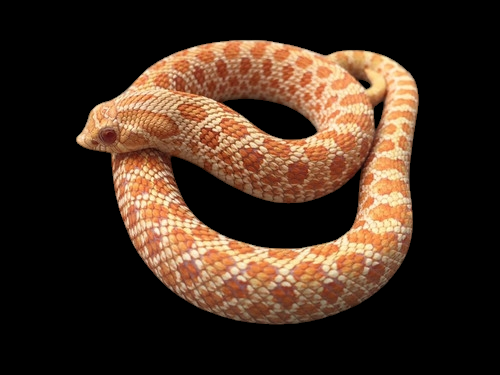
{"x":174,"y":109}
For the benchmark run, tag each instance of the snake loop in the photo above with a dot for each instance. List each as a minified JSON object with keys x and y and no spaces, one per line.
{"x":174,"y":109}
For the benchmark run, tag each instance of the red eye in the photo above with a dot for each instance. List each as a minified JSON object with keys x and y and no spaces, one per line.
{"x":107,"y":135}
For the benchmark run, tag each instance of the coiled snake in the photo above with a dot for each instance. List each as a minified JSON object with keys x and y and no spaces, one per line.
{"x":174,"y":109}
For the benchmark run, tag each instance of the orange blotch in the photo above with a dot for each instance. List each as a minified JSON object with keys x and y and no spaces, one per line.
{"x":205,"y":233}
{"x":211,"y":86}
{"x":234,"y":288}
{"x":233,"y":81}
{"x":342,"y":83}
{"x":409,"y":102}
{"x":179,"y":84}
{"x":365,"y":147}
{"x":292,"y":89}
{"x":338,"y":166}
{"x":384,"y":211}
{"x":382,"y":243}
{"x":258,"y":309}
{"x":351,"y":264}
{"x":271,"y":179}
{"x":332,"y":291}
{"x":209,"y":300}
{"x":330,"y":101}
{"x":362,"y":236}
{"x":277,"y":148}
{"x":316,"y":185}
{"x":245,"y":65}
{"x":355,"y":99}
{"x":267,"y":66}
{"x":390,"y":128}
{"x":180,"y":212}
{"x":408,"y":82}
{"x":192,"y":112}
{"x":254,"y":79}
{"x":375,"y":273}
{"x":281,"y":54}
{"x":154,"y":212}
{"x":284,"y":295}
{"x":180,"y":241}
{"x":232,"y":50}
{"x":283,"y":253}
{"x":406,"y":92}
{"x":386,"y":186}
{"x":287,"y":72}
{"x":252,"y":159}
{"x":306,"y":97}
{"x":306,"y":79}
{"x":368,"y":179}
{"x":403,"y":143}
{"x":188,"y":272}
{"x":383,"y":163}
{"x":303,"y":62}
{"x":324,"y":249}
{"x":386,"y":145}
{"x":199,"y":75}
{"x":181,"y":65}
{"x":233,"y":128}
{"x":316,"y":153}
{"x":162,"y":80}
{"x":367,"y":203}
{"x":319,"y":90}
{"x":140,"y":186}
{"x":308,"y":271}
{"x":259,"y":49}
{"x":206,"y":56}
{"x":262,"y":271}
{"x":323,"y":72}
{"x":219,"y":260}
{"x":398,"y":114}
{"x":297,"y":172}
{"x":226,"y":158}
{"x":241,"y":247}
{"x":274,"y":83}
{"x":221,"y":67}
{"x":346,"y":142}
{"x":166,"y":274}
{"x":209,"y":137}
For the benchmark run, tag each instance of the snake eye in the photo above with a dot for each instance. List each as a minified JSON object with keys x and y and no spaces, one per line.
{"x":107,"y":135}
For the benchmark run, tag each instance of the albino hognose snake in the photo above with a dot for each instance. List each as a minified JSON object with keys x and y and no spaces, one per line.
{"x":174,"y":108}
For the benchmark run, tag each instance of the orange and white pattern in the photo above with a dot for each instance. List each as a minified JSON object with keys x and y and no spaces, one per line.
{"x":174,"y":109}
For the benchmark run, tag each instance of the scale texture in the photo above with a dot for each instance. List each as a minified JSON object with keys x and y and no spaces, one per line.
{"x":174,"y":109}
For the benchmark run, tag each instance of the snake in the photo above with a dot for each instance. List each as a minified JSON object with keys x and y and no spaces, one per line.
{"x":176,"y":109}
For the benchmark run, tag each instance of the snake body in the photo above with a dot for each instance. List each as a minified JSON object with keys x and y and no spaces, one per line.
{"x":174,"y":109}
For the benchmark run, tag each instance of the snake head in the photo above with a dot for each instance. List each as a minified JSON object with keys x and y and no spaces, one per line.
{"x":130,"y":122}
{"x":102,"y":130}
{"x":107,"y":130}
